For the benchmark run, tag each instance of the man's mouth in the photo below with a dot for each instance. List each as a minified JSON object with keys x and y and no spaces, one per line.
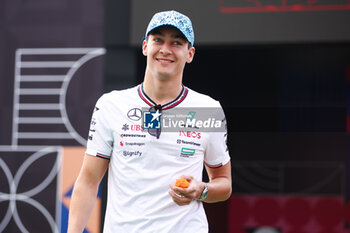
{"x":164,"y":60}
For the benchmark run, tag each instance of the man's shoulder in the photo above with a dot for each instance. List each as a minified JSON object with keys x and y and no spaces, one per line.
{"x":117,"y":96}
{"x":200,"y":99}
{"x":125,"y":93}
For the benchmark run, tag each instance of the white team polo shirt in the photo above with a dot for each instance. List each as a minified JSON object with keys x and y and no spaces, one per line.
{"x":142,"y":166}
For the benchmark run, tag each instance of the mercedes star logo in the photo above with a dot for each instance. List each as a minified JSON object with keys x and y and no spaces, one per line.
{"x":135,"y":114}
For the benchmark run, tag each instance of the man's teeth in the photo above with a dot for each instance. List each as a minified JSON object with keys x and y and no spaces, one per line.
{"x":164,"y":60}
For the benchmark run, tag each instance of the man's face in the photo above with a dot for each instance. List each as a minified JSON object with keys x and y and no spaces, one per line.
{"x":167,"y":53}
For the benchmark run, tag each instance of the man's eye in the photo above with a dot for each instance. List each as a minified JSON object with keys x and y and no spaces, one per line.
{"x":177,"y":43}
{"x":157,"y":40}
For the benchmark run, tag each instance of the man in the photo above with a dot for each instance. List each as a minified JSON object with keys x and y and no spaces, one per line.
{"x":144,"y":164}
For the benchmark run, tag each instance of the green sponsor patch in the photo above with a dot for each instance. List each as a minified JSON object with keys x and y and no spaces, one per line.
{"x":187,"y":151}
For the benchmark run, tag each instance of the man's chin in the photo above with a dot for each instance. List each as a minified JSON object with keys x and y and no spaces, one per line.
{"x":164,"y":76}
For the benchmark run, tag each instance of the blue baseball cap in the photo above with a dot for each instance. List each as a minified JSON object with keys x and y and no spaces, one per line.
{"x":175,"y":19}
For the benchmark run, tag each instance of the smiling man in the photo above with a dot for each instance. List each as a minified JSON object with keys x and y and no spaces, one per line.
{"x":167,"y":53}
{"x":144,"y":164}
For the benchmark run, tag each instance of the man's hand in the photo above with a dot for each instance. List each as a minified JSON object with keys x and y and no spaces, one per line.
{"x":184,"y":196}
{"x":219,"y":187}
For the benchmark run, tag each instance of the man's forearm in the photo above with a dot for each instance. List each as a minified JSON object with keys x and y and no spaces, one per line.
{"x":219,"y":190}
{"x":81,"y":205}
{"x":220,"y":185}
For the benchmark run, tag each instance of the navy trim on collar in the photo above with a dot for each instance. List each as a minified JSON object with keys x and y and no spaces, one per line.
{"x":169,"y":105}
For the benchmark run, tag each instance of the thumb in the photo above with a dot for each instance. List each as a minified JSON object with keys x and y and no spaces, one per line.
{"x":187,"y":177}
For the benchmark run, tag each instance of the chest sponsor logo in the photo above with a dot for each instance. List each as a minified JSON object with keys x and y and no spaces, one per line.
{"x":125,"y":135}
{"x":122,"y":143}
{"x":190,"y":134}
{"x":187,"y":152}
{"x":125,"y":127}
{"x":132,"y":127}
{"x":127,"y":153}
{"x":180,"y":141}
{"x":135,"y":114}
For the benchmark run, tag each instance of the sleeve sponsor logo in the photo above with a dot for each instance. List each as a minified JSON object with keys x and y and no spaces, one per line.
{"x":92,"y":128}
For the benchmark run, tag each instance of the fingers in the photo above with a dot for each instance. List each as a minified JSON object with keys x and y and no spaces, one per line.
{"x":178,"y":190}
{"x":182,"y":196}
{"x":187,"y":192}
{"x":179,"y":199}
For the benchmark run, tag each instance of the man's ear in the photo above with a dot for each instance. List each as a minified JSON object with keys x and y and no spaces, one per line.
{"x":191,"y":53}
{"x":144,"y":47}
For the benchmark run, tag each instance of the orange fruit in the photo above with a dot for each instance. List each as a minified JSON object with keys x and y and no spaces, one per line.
{"x":182,"y":183}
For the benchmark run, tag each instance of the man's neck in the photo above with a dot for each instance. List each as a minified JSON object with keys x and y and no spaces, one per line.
{"x":162,"y":91}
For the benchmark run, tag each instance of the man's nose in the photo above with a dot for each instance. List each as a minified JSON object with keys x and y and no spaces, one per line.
{"x":165,"y":49}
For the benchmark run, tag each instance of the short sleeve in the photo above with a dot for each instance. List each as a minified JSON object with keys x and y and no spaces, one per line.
{"x":216,"y":152}
{"x":100,"y":139}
